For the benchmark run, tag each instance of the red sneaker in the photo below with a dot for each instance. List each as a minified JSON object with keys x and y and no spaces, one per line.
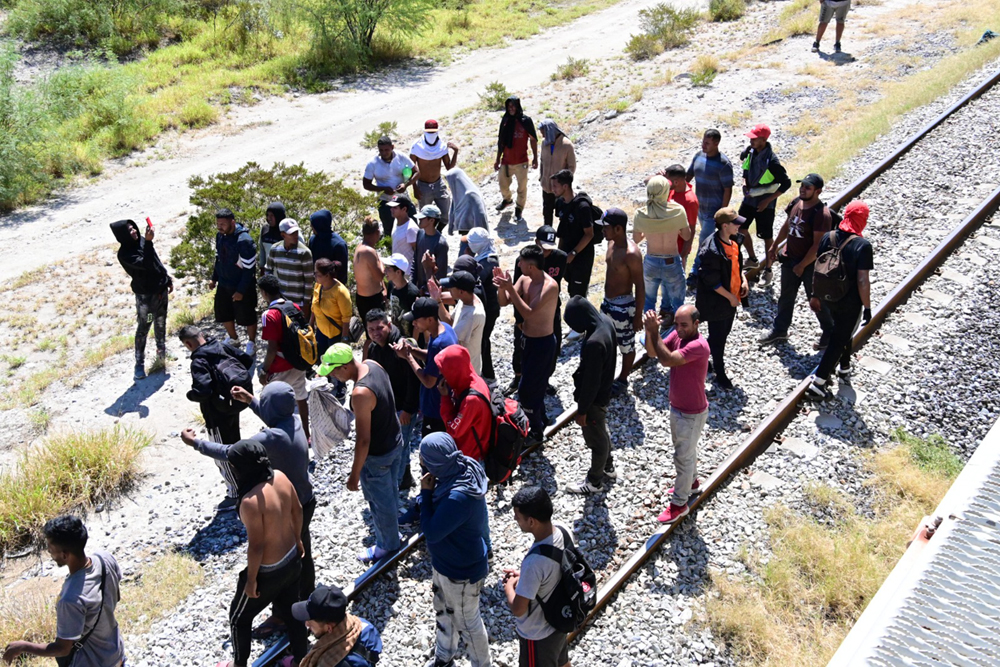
{"x":695,"y":489}
{"x":673,"y":513}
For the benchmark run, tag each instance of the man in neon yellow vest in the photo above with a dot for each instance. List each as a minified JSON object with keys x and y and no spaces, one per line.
{"x":764,"y":180}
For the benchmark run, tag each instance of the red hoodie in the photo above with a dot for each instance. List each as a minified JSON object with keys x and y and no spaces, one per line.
{"x":469,"y":421}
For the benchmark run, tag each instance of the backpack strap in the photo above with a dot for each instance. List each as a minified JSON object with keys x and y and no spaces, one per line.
{"x":493,"y":422}
{"x":78,"y":644}
{"x":850,"y":237}
{"x":371,"y":657}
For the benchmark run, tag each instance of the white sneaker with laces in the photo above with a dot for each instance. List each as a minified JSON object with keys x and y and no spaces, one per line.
{"x":583,"y":487}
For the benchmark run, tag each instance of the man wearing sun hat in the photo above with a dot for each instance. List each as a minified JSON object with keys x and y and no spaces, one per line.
{"x":342,"y":638}
{"x":430,"y":153}
{"x":378,"y":445}
{"x":764,"y":180}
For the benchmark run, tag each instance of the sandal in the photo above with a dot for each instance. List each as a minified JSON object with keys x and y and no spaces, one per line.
{"x":268,"y":628}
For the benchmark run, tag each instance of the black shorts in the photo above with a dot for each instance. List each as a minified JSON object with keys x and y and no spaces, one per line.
{"x":366,"y":303}
{"x":552,"y":651}
{"x":243,"y":312}
{"x":764,"y":220}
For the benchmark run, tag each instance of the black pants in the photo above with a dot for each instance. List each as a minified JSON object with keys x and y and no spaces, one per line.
{"x":150,"y":310}
{"x":487,"y":347}
{"x":431,"y":425}
{"x":845,"y":314}
{"x":790,"y":284}
{"x":515,"y":361}
{"x":578,"y":272}
{"x":718,"y":332}
{"x":228,"y":425}
{"x":597,"y":439}
{"x":307,"y":580}
{"x":536,"y":370}
{"x":548,"y":207}
{"x":280,"y":588}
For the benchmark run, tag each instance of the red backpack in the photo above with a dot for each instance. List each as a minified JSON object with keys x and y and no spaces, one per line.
{"x":508,"y":431}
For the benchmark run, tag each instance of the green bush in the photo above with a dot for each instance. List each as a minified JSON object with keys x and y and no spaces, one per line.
{"x":931,"y":454}
{"x":387,"y":129}
{"x":22,"y":176}
{"x":247,"y":192}
{"x":494,"y":97}
{"x":726,"y":10}
{"x":643,"y":47}
{"x":663,"y":27}
{"x":572,"y":68}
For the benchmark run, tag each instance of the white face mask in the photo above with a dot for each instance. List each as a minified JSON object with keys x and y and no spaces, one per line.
{"x":431,"y":138}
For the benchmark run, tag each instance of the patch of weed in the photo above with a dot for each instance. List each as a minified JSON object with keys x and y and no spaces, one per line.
{"x":494,"y":96}
{"x":384,"y":129}
{"x":571,"y":69}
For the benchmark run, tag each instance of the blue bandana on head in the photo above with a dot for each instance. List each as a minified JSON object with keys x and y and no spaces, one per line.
{"x":452,"y":469}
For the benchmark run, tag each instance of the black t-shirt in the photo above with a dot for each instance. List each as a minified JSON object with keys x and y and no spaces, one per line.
{"x":555,"y":266}
{"x":574,"y":219}
{"x":401,"y":302}
{"x":856,"y":256}
{"x":802,"y":223}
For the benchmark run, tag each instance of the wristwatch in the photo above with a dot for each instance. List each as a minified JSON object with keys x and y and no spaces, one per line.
{"x":572,"y":253}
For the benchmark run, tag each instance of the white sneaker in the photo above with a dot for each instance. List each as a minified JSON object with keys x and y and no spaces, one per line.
{"x":232,"y":341}
{"x":250,"y":349}
{"x":583,"y":487}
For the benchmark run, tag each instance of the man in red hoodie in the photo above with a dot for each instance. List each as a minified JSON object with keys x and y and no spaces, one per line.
{"x":467,"y":417}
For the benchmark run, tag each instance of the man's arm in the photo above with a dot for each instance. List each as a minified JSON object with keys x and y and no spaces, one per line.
{"x":655,"y":347}
{"x":534,"y":151}
{"x":370,"y":186}
{"x":450,"y":161}
{"x":633,"y":260}
{"x":427,"y":380}
{"x":251,"y":514}
{"x":297,"y":521}
{"x":308,"y":279}
{"x":811,"y":255}
{"x":727,"y":194}
{"x":588,"y":235}
{"x":248,"y":265}
{"x":60,"y":648}
{"x":269,"y":356}
{"x":865,"y":289}
{"x":362,"y":402}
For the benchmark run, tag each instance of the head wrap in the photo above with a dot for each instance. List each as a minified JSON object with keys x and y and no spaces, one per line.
{"x":660,"y":214}
{"x":453,"y":470}
{"x":550,"y":132}
{"x":480,"y":243}
{"x":250,"y":465}
{"x":855,"y":217}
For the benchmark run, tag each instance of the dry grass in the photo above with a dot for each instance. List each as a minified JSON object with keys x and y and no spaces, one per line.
{"x":799,"y":603}
{"x":798,"y":18}
{"x":28,"y":613}
{"x":182,"y":315}
{"x":162,"y":586}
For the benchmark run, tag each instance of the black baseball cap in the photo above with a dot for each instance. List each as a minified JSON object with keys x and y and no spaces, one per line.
{"x":814,"y":180}
{"x":466,"y":263}
{"x":462,"y":280}
{"x":326,"y":604}
{"x":546,"y":237}
{"x":614,"y":217}
{"x":423,"y":307}
{"x":400,"y":200}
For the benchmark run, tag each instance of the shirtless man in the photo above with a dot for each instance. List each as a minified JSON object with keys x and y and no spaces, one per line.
{"x":270,"y":510}
{"x":429,"y":153}
{"x":624,"y":273}
{"x":369,"y":273}
{"x":534,"y":295}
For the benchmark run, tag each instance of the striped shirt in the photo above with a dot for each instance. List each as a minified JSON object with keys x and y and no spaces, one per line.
{"x":294,"y":270}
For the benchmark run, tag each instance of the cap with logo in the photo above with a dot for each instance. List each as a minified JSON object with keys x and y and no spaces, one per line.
{"x":326,"y":604}
{"x":288,"y":226}
{"x":727,"y":215}
{"x":546,"y":237}
{"x":399,"y":200}
{"x":431,"y":126}
{"x":336,"y":356}
{"x":399,"y":261}
{"x":760,"y":131}
{"x":422,"y":307}
{"x":613,"y":217}
{"x":814,"y":180}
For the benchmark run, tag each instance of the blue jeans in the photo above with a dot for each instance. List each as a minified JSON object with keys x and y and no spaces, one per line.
{"x":380,"y":477}
{"x":707,"y":229}
{"x":657,"y":273}
{"x":407,"y":430}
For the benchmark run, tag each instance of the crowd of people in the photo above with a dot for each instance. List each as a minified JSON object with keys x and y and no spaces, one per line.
{"x":425,"y":376}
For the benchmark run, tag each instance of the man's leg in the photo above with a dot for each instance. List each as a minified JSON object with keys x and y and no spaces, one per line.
{"x":840,"y":30}
{"x":823,"y":316}
{"x":307,"y":579}
{"x":385,"y":215}
{"x":557,"y":331}
{"x":144,"y":318}
{"x":487,"y":347}
{"x":595,"y":436}
{"x":242,"y":611}
{"x":470,"y":623}
{"x":504,"y":178}
{"x":684,"y":431}
{"x":845,"y":319}
{"x":443,"y":201}
{"x":674,"y":286}
{"x":821,"y":30}
{"x":786,"y":299}
{"x":446,"y":644}
{"x":765,"y":231}
{"x":382,"y":493}
{"x":304,"y":414}
{"x":707,"y":224}
{"x":160,"y":324}
{"x":521,"y":173}
{"x":284,"y":592}
{"x":548,"y":207}
{"x":515,"y":361}
{"x":718,"y":333}
{"x":535,"y":364}
{"x":748,"y":211}
{"x":652,"y":278}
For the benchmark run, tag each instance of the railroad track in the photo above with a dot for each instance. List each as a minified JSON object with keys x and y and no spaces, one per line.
{"x":765,"y":432}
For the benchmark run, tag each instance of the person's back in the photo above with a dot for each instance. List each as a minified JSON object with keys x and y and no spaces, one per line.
{"x":385,"y":433}
{"x":80,"y":602}
{"x":284,"y":439}
{"x":470,"y":320}
{"x":467,"y":418}
{"x":328,"y":244}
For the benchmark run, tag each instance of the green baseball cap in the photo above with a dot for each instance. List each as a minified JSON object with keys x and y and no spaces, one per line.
{"x":336,"y":356}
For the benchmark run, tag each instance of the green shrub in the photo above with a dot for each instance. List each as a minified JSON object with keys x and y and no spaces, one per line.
{"x":930,"y":454}
{"x":22,"y":177}
{"x":726,"y":10}
{"x":572,"y":68}
{"x":643,"y":47}
{"x":247,"y":192}
{"x":494,"y":97}
{"x":384,"y":129}
{"x":663,"y":27}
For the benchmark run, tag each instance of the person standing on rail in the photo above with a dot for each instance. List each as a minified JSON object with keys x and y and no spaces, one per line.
{"x":535,"y":296}
{"x":557,"y":154}
{"x":86,"y":630}
{"x":342,"y":640}
{"x":454,"y":521}
{"x":233,"y":278}
{"x":378,"y":445}
{"x":713,"y":184}
{"x":517,"y":131}
{"x":721,"y":285}
{"x":575,"y":232}
{"x":764,"y":180}
{"x":856,"y":257}
{"x":686,"y":354}
{"x":661,"y":223}
{"x":593,"y":380}
{"x":389,"y":173}
{"x":440,"y":335}
{"x":430,"y":153}
{"x":808,"y":221}
{"x":623,"y":289}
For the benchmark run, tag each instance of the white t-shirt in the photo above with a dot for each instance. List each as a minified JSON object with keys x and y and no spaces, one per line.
{"x":402,"y":237}
{"x":539,"y":577}
{"x":469,"y":322}
{"x":387,"y":174}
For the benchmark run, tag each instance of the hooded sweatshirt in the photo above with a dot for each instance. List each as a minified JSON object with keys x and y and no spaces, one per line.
{"x":203,"y":362}
{"x":139,"y":259}
{"x":453,"y":514}
{"x":508,"y":124}
{"x":250,"y":465}
{"x":283,"y":439}
{"x":270,"y":235}
{"x":467,"y":418}
{"x":235,"y":261}
{"x":598,"y":353}
{"x":467,"y":208}
{"x":760,"y":167}
{"x":660,"y":215}
{"x":556,"y":153}
{"x":326,"y":243}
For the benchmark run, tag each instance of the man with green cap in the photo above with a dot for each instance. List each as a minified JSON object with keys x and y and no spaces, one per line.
{"x":378,"y":446}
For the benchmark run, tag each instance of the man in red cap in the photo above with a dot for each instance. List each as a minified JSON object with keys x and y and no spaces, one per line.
{"x":764,"y":180}
{"x":429,"y":153}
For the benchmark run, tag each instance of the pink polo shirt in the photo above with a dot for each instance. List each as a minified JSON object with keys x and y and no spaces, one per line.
{"x":687,"y":382}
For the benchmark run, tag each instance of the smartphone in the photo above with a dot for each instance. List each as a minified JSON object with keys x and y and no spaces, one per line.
{"x":149,"y":223}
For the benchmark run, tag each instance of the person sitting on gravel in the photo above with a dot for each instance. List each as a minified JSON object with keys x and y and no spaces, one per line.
{"x":517,"y":131}
{"x":389,"y":173}
{"x":430,"y":153}
{"x":369,"y":273}
{"x":454,"y":520}
{"x":467,"y":418}
{"x":343,"y":640}
{"x":557,"y":154}
{"x":468,"y":318}
{"x":440,"y":335}
{"x":686,"y":354}
{"x":535,"y":296}
{"x":235,"y":265}
{"x":150,"y":283}
{"x":270,"y":510}
{"x":275,"y":367}
{"x":378,"y":445}
{"x":623,"y":289}
{"x":856,"y":256}
{"x":324,"y":243}
{"x":764,"y":180}
{"x":592,"y":382}
{"x":481,"y":249}
{"x":721,"y":285}
{"x":661,"y":222}
{"x":86,"y":630}
{"x":541,"y":645}
{"x":575,"y":232}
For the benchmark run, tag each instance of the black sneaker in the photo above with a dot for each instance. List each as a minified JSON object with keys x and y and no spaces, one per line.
{"x":817,"y":392}
{"x":139,"y":372}
{"x":504,"y":204}
{"x":550,"y":390}
{"x":771,"y":338}
{"x":821,"y":344}
{"x":534,"y":438}
{"x":227,"y":505}
{"x":845,"y":373}
{"x":815,"y":47}
{"x":517,"y":214}
{"x":767,"y":275}
{"x":836,"y":47}
{"x":512,"y":387}
{"x":724,"y":382}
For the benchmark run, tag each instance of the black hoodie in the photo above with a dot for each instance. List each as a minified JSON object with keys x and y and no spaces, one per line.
{"x":204,"y":361}
{"x":505,"y":138}
{"x":715,"y":271}
{"x":139,"y":259}
{"x":326,"y":243}
{"x":598,"y":353}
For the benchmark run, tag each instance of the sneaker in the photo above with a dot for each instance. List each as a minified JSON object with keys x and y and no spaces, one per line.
{"x":574,"y":336}
{"x":231,"y":341}
{"x":140,"y":372}
{"x":250,"y":348}
{"x":836,"y":47}
{"x":512,"y":387}
{"x":618,"y":387}
{"x":767,"y":275}
{"x":504,"y":204}
{"x":673,"y":513}
{"x":815,"y":47}
{"x":407,"y":482}
{"x":409,"y":518}
{"x":550,"y":390}
{"x":227,"y":505}
{"x":751,"y":263}
{"x":583,"y":487}
{"x":609,"y":470}
{"x":517,"y":214}
{"x":771,"y":338}
{"x":534,"y":438}
{"x":695,"y":489}
{"x":845,"y":373}
{"x":724,"y":382}
{"x":817,"y":391}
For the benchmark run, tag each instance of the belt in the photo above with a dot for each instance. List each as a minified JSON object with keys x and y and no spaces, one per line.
{"x":667,"y":259}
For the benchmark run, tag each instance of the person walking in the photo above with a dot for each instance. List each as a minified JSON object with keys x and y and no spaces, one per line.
{"x":378,"y":445}
{"x":430,"y":154}
{"x":324,"y":243}
{"x":808,"y":221}
{"x":623,"y":289}
{"x":661,"y":223}
{"x":721,"y":286}
{"x":557,"y":154}
{"x":467,"y":418}
{"x":764,"y":180}
{"x":233,"y":278}
{"x":829,"y":10}
{"x":712,"y":172}
{"x":292,"y":264}
{"x":592,"y":381}
{"x":576,"y":232}
{"x":389,"y":173}
{"x":440,"y":335}
{"x":86,"y":628}
{"x":454,"y":521}
{"x":856,"y":256}
{"x":686,"y":354}
{"x":331,"y":305}
{"x":487,"y":260}
{"x":342,"y":639}
{"x":517,"y":131}
{"x":150,"y":283}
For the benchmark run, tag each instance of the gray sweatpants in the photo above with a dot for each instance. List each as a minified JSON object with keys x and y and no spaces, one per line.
{"x":436,"y":193}
{"x":685,"y":429}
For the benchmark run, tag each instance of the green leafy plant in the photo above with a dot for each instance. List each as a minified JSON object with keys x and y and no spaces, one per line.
{"x":494,"y":97}
{"x":663,"y":27}
{"x":387,"y":129}
{"x":726,"y":10}
{"x":571,"y":69}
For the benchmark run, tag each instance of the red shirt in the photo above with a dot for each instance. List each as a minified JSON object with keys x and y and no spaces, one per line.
{"x":518,"y":152}
{"x":273,"y":328}
{"x":689,"y":201}
{"x":687,"y":382}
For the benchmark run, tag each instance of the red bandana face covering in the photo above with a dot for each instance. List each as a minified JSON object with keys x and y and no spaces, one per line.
{"x":855,"y":217}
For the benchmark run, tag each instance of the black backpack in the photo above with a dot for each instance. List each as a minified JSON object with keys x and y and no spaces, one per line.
{"x":575,"y":596}
{"x":233,"y":370}
{"x":508,"y":431}
{"x":597,"y":214}
{"x":298,"y":339}
{"x":830,"y":281}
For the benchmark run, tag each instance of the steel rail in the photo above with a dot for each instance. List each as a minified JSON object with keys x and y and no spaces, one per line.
{"x":772,"y":425}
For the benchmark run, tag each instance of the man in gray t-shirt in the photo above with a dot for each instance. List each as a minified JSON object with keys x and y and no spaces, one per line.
{"x":85,"y":612}
{"x":429,"y":240}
